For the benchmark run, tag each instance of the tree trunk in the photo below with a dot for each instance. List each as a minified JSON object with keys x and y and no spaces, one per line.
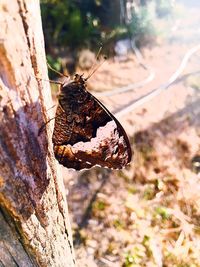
{"x":34,"y":224}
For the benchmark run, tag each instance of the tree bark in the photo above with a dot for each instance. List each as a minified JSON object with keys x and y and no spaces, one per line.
{"x":34,"y":224}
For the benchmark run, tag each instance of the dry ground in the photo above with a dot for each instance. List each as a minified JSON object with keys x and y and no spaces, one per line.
{"x":149,"y":213}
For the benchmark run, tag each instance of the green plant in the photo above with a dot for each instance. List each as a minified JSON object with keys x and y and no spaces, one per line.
{"x":135,"y":256}
{"x":119,"y":224}
{"x":65,"y":23}
{"x":142,"y":21}
{"x":149,"y":192}
{"x":164,"y":7}
{"x":129,"y":260}
{"x":99,"y":205}
{"x":162,"y":211}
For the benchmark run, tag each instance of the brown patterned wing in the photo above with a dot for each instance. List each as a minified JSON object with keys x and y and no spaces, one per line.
{"x":86,"y":133}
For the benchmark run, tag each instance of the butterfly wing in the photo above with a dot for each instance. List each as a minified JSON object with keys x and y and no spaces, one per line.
{"x":86,"y":133}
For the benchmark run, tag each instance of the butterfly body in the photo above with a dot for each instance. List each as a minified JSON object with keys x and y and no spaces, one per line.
{"x":85,"y":132}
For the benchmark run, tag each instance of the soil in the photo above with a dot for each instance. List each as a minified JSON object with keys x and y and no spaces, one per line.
{"x":148,"y":214}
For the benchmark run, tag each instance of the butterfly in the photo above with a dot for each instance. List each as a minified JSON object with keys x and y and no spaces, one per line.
{"x":85,"y":132}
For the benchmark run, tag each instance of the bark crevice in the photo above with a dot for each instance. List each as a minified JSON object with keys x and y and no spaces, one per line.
{"x":33,"y":207}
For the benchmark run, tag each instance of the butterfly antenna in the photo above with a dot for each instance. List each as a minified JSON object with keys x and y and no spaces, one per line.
{"x":96,"y":58}
{"x":96,"y":68}
{"x":51,"y":68}
{"x":93,"y":68}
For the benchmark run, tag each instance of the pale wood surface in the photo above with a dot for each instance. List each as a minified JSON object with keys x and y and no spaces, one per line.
{"x":34,"y":224}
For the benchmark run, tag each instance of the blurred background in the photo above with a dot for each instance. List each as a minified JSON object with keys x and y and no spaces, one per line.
{"x":149,"y":213}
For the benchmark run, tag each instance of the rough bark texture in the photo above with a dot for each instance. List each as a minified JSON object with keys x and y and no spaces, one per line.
{"x":34,"y":225}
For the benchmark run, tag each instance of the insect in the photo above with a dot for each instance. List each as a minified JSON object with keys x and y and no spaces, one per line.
{"x":85,"y":132}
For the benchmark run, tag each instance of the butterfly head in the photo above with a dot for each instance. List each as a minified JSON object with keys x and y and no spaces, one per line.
{"x":79,"y":79}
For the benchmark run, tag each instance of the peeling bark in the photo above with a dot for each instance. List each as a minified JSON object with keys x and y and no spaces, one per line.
{"x":35,"y":228}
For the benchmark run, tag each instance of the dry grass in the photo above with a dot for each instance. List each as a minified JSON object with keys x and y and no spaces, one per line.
{"x":149,"y":213}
